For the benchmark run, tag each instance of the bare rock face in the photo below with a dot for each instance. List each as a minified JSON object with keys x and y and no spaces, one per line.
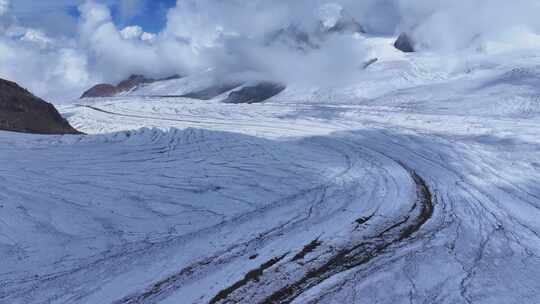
{"x":109,"y":90}
{"x":213,"y":91}
{"x":255,"y":93}
{"x":404,"y":43}
{"x":132,"y":82}
{"x":307,"y":38}
{"x":21,"y":111}
{"x":370,"y":62}
{"x":348,"y":25}
{"x":101,"y":90}
{"x":333,"y":18}
{"x":294,"y":38}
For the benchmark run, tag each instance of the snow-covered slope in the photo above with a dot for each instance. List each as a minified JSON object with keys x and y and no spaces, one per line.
{"x":415,"y":184}
{"x":392,"y":70}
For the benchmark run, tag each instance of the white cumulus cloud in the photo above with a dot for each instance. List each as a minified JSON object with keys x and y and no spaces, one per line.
{"x":136,"y":32}
{"x":234,"y":36}
{"x":4,"y":7}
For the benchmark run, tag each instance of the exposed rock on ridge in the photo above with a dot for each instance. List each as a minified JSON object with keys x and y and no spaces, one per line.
{"x":21,"y":111}
{"x":133,"y":82}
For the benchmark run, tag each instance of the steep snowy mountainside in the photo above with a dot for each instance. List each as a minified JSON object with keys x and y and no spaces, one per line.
{"x":388,"y":61}
{"x":132,"y":83}
{"x":190,"y":84}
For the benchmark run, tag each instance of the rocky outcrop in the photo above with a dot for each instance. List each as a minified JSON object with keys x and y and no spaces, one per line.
{"x":255,"y":93}
{"x":294,"y":38}
{"x":21,"y":111}
{"x":342,"y":23}
{"x":404,"y":43}
{"x":347,"y":26}
{"x":306,"y":38}
{"x":213,"y":91}
{"x":370,"y":62}
{"x":128,"y":85}
{"x":132,"y":82}
{"x":101,"y":90}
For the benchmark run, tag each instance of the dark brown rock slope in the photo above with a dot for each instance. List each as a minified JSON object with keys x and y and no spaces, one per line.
{"x":21,"y":111}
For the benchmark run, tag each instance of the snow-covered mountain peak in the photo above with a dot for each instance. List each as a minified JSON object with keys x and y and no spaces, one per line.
{"x":330,"y":14}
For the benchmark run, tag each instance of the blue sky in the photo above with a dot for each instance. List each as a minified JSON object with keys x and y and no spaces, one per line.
{"x":60,"y":16}
{"x":152,"y":17}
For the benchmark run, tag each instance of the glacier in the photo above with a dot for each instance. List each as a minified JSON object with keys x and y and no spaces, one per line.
{"x":416,"y":184}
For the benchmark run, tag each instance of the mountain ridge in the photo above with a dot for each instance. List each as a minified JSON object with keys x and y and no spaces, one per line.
{"x":21,"y":111}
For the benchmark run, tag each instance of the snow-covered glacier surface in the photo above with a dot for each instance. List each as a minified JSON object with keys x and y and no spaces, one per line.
{"x":417,"y":184}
